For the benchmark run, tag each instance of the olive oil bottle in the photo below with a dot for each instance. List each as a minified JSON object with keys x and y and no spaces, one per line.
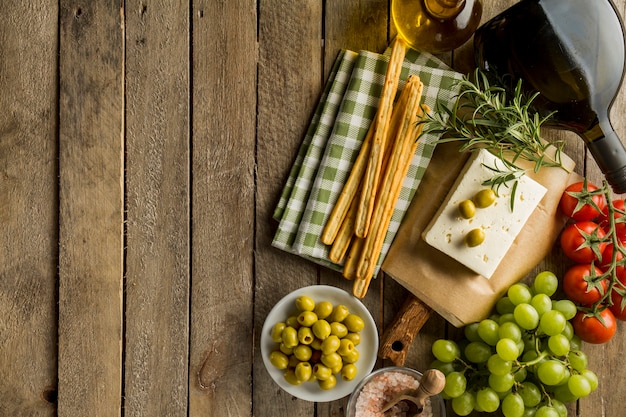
{"x":436,"y":25}
{"x":572,"y":53}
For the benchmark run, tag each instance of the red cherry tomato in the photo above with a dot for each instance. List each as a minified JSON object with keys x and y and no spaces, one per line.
{"x":576,"y":201}
{"x":616,"y":308}
{"x":607,"y":259}
{"x":582,"y":241}
{"x":576,"y":286}
{"x":592,"y":330}
{"x":620,"y":227}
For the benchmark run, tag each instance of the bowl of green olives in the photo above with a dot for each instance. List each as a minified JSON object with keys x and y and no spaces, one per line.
{"x":318,"y":342}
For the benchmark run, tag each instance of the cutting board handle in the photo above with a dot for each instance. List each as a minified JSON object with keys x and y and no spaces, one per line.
{"x":399,"y":336}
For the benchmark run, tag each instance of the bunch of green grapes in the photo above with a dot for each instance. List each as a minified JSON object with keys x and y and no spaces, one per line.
{"x":524,"y":359}
{"x":317,"y":343}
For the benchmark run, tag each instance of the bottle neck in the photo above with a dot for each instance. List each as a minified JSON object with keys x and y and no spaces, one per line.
{"x":444,"y":9}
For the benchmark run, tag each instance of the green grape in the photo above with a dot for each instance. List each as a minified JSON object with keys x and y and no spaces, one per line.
{"x":519,"y":293}
{"x":488,"y":331}
{"x":501,"y":383}
{"x":471,"y":332}
{"x":507,"y":349}
{"x":551,"y":372}
{"x":520,"y":375}
{"x":559,"y":407}
{"x":542,"y":303}
{"x":568,"y":331}
{"x":567,"y":307}
{"x":575,"y":342}
{"x":506,"y":318}
{"x":526,"y":316}
{"x":498,"y":366}
{"x":591,"y":377}
{"x":529,"y":412}
{"x":510,"y":330}
{"x":552,"y":322}
{"x":504,"y":305}
{"x":578,"y":360}
{"x":446,"y":350}
{"x":579,"y":386}
{"x":559,"y":344}
{"x":444,"y":367}
{"x":464,"y":404}
{"x":563,"y":394}
{"x":512,"y":405}
{"x":488,"y":400}
{"x":478,"y":352}
{"x":545,"y":283}
{"x":530,"y":393}
{"x":546,"y":411}
{"x":455,"y":384}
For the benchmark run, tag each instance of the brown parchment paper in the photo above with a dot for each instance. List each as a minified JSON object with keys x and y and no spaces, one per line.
{"x":454,"y":291}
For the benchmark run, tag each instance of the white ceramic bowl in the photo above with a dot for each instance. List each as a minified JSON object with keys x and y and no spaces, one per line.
{"x":437,"y":405}
{"x":368,"y":348}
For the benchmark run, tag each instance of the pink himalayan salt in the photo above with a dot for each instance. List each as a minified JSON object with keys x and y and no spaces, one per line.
{"x":382,"y":388}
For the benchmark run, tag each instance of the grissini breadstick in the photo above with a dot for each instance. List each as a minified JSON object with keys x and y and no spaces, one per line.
{"x":383,"y":115}
{"x":403,"y":149}
{"x":342,"y":238}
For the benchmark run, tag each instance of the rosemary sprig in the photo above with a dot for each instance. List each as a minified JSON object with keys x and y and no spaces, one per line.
{"x":487,"y":116}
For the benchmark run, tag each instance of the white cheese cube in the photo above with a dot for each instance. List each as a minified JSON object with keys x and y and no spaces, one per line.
{"x":501,"y":224}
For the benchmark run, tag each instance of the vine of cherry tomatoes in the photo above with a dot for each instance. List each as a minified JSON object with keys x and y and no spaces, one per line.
{"x":595,"y":239}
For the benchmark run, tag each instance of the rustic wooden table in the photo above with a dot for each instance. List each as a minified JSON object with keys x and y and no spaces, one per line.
{"x":143,"y":146}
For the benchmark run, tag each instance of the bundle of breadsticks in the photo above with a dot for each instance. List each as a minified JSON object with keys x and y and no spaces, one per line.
{"x":359,"y":220}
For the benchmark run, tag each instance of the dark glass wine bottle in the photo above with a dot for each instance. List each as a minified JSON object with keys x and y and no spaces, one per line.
{"x":572,"y":53}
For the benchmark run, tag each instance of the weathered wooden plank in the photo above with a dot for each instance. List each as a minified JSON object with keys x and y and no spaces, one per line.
{"x":223,"y":137}
{"x":28,"y":207}
{"x":356,"y":25}
{"x":290,"y":78}
{"x":157,"y":207}
{"x":91,"y":208}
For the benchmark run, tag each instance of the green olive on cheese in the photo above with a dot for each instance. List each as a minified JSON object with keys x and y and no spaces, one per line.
{"x":484,"y":198}
{"x":475,"y":237}
{"x":467,"y":209}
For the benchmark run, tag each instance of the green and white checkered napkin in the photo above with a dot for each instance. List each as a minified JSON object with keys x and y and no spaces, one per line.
{"x":346,"y":108}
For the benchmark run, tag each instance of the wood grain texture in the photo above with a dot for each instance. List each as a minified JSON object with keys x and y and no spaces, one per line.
{"x":223,"y":198}
{"x":158,"y":208}
{"x":290,"y":79}
{"x":28,"y":207}
{"x":91,"y":209}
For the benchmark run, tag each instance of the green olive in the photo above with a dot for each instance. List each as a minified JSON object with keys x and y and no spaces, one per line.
{"x":467,"y":209}
{"x":303,"y":371}
{"x":290,"y":377}
{"x":323,"y":309}
{"x":355,"y":337}
{"x":332,"y":360}
{"x":279,"y":359}
{"x":475,"y":237}
{"x":316,"y":344}
{"x":293,"y":361}
{"x":293,"y":322}
{"x":277,"y":331}
{"x":345,"y":347}
{"x":305,"y":335}
{"x":321,"y":329}
{"x":302,"y":352}
{"x":307,"y":318}
{"x":330,"y":344}
{"x":329,"y":383}
{"x":348,"y":372}
{"x":484,"y":198}
{"x":354,"y":323}
{"x":339,"y":313}
{"x":286,"y":350}
{"x":322,"y":372}
{"x":338,"y":329}
{"x":290,"y":337}
{"x":351,"y":357}
{"x":305,"y":303}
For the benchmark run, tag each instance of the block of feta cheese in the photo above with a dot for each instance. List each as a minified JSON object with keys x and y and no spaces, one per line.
{"x":500,"y":224}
